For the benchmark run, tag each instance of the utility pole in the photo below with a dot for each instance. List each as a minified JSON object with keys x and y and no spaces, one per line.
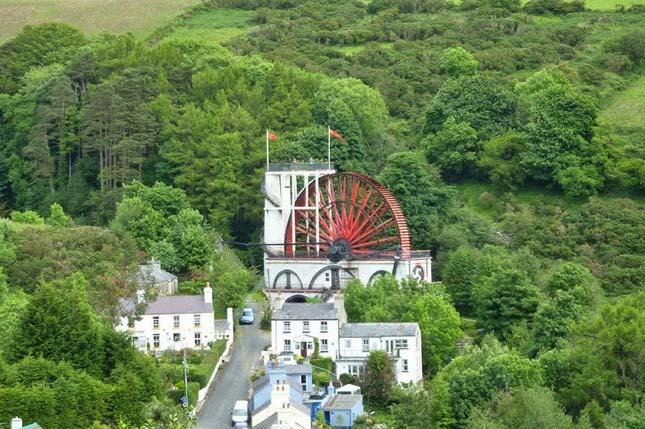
{"x":186,"y":381}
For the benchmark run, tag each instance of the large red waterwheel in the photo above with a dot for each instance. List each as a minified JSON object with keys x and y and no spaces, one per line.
{"x":346,"y":216}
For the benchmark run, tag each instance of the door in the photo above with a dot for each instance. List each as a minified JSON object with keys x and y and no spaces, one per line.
{"x":303,"y":349}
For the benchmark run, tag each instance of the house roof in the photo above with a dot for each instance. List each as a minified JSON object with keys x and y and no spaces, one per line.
{"x":298,"y":369}
{"x":179,"y":304}
{"x":260,"y":382}
{"x":221,"y":325}
{"x":376,"y":330}
{"x":152,"y":273}
{"x":342,"y":402}
{"x":306,"y":311}
{"x":268,"y":422}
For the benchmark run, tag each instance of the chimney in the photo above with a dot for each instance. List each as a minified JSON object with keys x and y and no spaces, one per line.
{"x":331,"y":390}
{"x":141,"y":296}
{"x":16,"y":423}
{"x":208,"y":293}
{"x":339,"y":304}
{"x":154,"y":263}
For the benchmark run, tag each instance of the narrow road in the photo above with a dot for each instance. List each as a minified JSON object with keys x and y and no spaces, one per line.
{"x":232,"y":382}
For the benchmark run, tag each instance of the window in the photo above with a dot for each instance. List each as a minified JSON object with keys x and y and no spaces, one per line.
{"x":401,"y":344}
{"x":348,"y":344}
{"x":175,"y":321}
{"x":176,"y":337}
{"x":286,"y":327}
{"x":198,"y":339}
{"x":155,"y":341}
{"x":324,"y":347}
{"x":305,"y":326}
{"x":353,"y":369}
{"x":198,"y":320}
{"x":309,"y":346}
{"x":303,"y":382}
{"x":155,"y":322}
{"x":405,"y":365}
{"x":366,"y":344}
{"x":323,"y":326}
{"x":287,"y":345}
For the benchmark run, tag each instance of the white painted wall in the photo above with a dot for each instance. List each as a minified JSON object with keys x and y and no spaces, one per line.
{"x":298,"y":335}
{"x":145,"y":331}
{"x":306,"y":270}
{"x":288,"y":416}
{"x":351,"y":352}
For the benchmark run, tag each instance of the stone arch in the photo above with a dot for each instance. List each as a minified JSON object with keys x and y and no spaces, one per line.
{"x":297,"y":299}
{"x":287,"y":279}
{"x":338,"y":276}
{"x":376,"y":275}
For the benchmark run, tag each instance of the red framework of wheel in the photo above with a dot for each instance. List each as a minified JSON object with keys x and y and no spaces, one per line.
{"x":352,"y":208}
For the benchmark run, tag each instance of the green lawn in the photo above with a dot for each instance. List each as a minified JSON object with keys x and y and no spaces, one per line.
{"x":215,"y":25}
{"x":627,"y":109}
{"x":91,"y":16}
{"x":610,"y":4}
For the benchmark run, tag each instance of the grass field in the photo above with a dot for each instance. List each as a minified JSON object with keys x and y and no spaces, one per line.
{"x":215,"y":25}
{"x":91,"y":16}
{"x":627,"y":109}
{"x":610,"y":4}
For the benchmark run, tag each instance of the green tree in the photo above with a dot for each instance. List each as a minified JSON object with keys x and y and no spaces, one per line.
{"x":460,"y":276}
{"x":523,"y":409}
{"x":458,"y":62}
{"x":379,"y":378}
{"x":500,"y":159}
{"x":439,"y":323}
{"x":57,"y":217}
{"x":475,"y":378}
{"x":504,"y":298}
{"x":59,"y":325}
{"x":421,"y":193}
{"x":476,"y":100}
{"x":454,"y":148}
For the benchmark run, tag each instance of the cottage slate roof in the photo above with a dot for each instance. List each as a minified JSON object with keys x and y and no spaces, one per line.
{"x":377,"y":330}
{"x":260,"y":382}
{"x":221,"y":325}
{"x":268,"y":422}
{"x":307,"y":311}
{"x":152,"y":273}
{"x":298,"y":369}
{"x":179,"y":304}
{"x":342,"y":402}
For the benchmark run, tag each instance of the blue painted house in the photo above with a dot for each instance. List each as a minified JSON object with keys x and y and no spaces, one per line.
{"x":341,"y":410}
{"x":298,"y":377}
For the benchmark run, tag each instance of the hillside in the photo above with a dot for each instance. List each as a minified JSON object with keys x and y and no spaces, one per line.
{"x":92,"y":16}
{"x":510,"y":132}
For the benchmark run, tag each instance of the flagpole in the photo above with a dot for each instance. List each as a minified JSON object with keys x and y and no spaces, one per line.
{"x":267,"y":130}
{"x":329,"y":147}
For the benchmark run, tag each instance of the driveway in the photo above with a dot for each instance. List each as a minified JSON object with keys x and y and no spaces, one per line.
{"x":232,"y":381}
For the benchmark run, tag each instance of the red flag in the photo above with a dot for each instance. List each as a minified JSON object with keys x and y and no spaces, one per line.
{"x":335,"y":134}
{"x":271,"y":136}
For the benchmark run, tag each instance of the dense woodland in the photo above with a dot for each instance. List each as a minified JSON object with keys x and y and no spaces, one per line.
{"x":493,"y":122}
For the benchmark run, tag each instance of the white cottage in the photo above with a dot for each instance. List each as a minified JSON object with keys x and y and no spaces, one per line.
{"x":295,"y":326}
{"x":175,"y":322}
{"x":152,"y":276}
{"x":402,"y":341}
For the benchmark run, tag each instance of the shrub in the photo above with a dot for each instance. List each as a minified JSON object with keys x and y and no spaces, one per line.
{"x":28,"y":216}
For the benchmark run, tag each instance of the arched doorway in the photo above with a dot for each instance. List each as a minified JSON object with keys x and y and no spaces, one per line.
{"x":296,"y":299}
